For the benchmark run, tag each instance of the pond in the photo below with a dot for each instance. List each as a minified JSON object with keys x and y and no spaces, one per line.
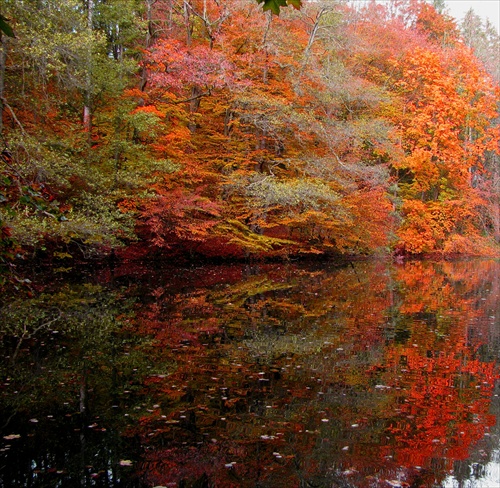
{"x":365,"y":374}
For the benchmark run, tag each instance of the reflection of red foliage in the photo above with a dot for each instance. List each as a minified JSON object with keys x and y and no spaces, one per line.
{"x":374,"y":408}
{"x":443,"y":405}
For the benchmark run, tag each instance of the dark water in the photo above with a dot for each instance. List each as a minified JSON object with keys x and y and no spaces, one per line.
{"x":363,"y":375}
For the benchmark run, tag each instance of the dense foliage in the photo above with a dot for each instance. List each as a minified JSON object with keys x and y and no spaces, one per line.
{"x":217,"y":129}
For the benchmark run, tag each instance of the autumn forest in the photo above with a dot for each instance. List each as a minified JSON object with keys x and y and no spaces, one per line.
{"x":218,"y":129}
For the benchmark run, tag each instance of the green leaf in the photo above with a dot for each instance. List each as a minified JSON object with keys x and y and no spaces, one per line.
{"x":6,"y":28}
{"x":275,"y":5}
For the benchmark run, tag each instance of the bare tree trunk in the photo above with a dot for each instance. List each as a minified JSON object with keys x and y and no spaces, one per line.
{"x":266,"y":53}
{"x":187,"y":23}
{"x":150,"y":35}
{"x":312,"y":35}
{"x":194,"y":105}
{"x":3,"y":60}
{"x":495,"y":206}
{"x":87,"y":107}
{"x":228,"y":119}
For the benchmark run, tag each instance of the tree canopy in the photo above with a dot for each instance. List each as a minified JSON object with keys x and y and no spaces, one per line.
{"x":203,"y":128}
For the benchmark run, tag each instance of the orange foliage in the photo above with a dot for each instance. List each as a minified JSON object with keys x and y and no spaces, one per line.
{"x":329,"y":130}
{"x":444,"y":132}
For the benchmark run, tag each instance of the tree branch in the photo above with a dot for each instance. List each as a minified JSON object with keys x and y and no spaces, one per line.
{"x":16,"y":120}
{"x":185,"y":100}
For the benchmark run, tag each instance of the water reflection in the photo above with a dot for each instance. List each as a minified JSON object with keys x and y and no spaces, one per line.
{"x":365,"y":375}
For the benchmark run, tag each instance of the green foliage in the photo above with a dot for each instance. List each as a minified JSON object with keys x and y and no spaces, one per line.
{"x":5,"y":27}
{"x":78,"y":231}
{"x":269,"y":192}
{"x":73,"y":336}
{"x":275,"y":5}
{"x":52,"y":197}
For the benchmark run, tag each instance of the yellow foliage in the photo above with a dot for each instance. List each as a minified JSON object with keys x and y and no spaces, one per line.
{"x":241,"y":235}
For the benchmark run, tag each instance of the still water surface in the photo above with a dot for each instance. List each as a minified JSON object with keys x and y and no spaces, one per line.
{"x":367,"y":374}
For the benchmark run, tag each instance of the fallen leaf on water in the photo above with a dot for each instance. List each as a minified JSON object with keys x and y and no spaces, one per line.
{"x":397,"y":484}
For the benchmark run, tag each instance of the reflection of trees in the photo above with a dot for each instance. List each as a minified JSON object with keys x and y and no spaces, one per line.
{"x":271,"y":375}
{"x":442,"y":378}
{"x":69,"y":361}
{"x":486,"y":451}
{"x":299,"y":379}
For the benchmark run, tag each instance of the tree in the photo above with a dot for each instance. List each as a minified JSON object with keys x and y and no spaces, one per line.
{"x":217,"y":129}
{"x":484,"y":40}
{"x":63,"y":61}
{"x":445,"y":135}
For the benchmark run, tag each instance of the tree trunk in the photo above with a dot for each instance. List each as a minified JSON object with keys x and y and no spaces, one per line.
{"x":188,"y":24}
{"x":150,"y":35}
{"x":266,"y":53}
{"x":194,"y":105}
{"x":87,"y":107}
{"x":3,"y":59}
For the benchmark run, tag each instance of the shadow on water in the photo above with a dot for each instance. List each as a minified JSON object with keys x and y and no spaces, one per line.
{"x":364,"y":375}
